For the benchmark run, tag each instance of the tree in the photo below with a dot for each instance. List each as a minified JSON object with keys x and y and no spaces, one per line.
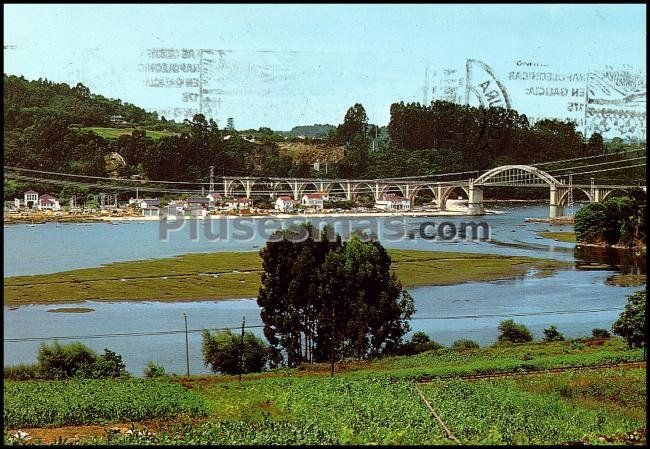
{"x":631,"y":322}
{"x":62,"y":361}
{"x":595,"y":145}
{"x":320,"y":298}
{"x":512,"y":332}
{"x":353,"y":134}
{"x":222,"y":352}
{"x":552,"y":334}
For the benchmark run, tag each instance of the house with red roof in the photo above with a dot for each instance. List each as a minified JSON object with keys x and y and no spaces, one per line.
{"x":285,"y":204}
{"x":314,"y":200}
{"x":392,"y":201}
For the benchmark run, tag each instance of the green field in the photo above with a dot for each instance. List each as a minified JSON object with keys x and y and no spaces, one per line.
{"x":225,"y":275}
{"x":365,"y":403}
{"x":55,"y":403}
{"x":114,"y":133}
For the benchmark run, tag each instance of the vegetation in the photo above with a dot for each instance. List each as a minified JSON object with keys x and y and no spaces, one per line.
{"x":321,"y":299}
{"x":420,"y":342}
{"x":552,"y":334}
{"x":368,"y":402}
{"x":617,"y":221}
{"x":88,"y":401}
{"x":559,"y":236}
{"x":236,"y":275}
{"x":631,"y":323}
{"x":600,"y":333}
{"x":497,"y":413}
{"x":152,"y":370}
{"x":463,"y":344}
{"x":228,"y":353}
{"x":511,"y":332}
{"x":68,"y":129}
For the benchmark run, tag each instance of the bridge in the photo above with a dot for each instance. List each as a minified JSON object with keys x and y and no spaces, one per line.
{"x":440,"y":191}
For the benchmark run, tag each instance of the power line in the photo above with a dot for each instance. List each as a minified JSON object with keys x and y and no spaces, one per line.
{"x":609,"y":169}
{"x":585,"y":157}
{"x":258,"y":326}
{"x":597,"y":164}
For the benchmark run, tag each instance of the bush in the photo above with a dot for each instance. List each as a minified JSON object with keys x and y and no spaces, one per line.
{"x":631,"y":322}
{"x":108,"y":364}
{"x":512,"y":332}
{"x":464,"y":344}
{"x":420,"y":342}
{"x":22,"y":371}
{"x":152,"y":370}
{"x":77,"y":360}
{"x":62,"y":361}
{"x":600,"y":333}
{"x":221,"y":352}
{"x":552,"y":334}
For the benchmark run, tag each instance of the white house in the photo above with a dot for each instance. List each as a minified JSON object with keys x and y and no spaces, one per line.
{"x":239,"y":203}
{"x":48,"y":202}
{"x":214,"y":198}
{"x":31,"y":199}
{"x":314,"y":200}
{"x":284,"y":203}
{"x":148,"y":202}
{"x":393,"y":202}
{"x":150,"y":211}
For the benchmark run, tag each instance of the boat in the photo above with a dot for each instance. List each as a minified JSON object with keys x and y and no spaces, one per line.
{"x":31,"y":225}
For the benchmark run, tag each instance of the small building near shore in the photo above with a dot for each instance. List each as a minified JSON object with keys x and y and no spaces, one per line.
{"x":148,"y":202}
{"x":239,"y":203}
{"x":285,"y":204}
{"x":392,"y":202}
{"x":315,"y":200}
{"x":48,"y":202}
{"x":150,"y":211}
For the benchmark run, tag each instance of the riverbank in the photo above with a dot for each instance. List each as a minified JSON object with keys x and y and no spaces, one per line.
{"x":224,"y":275}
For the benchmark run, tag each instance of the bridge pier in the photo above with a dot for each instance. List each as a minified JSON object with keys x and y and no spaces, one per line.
{"x":475,"y":200}
{"x":555,"y":208}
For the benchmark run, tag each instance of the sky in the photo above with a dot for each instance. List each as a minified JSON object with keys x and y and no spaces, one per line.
{"x":287,"y":65}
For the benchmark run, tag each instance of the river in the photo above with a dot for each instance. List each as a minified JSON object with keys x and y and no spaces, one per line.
{"x":575,"y":300}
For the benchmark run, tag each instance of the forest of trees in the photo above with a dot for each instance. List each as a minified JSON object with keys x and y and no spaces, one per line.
{"x":44,"y":129}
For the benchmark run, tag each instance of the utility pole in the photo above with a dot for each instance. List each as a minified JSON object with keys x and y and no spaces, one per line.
{"x":187,"y":348}
{"x":241,"y":348}
{"x":136,"y":193}
{"x":211,"y":179}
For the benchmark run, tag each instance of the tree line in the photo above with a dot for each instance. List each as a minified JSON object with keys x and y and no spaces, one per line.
{"x":45,"y":128}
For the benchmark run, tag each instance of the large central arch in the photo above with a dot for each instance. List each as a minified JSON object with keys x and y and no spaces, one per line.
{"x":521,"y":175}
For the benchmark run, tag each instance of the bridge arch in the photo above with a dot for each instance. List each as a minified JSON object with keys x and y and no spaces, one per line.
{"x":446,"y":192}
{"x":515,"y":175}
{"x":303,"y":188}
{"x":610,"y":191}
{"x":230,"y":187}
{"x":387,"y":187}
{"x":422,"y":187}
{"x":287,"y":190}
{"x":336,"y":187}
{"x":565,"y":196}
{"x":358,"y":188}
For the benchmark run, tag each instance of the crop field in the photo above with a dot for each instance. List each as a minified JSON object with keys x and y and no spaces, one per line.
{"x":507,"y":412}
{"x":56,"y":403}
{"x":365,"y":403}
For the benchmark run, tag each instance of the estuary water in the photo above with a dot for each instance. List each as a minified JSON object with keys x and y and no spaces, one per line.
{"x":575,"y":300}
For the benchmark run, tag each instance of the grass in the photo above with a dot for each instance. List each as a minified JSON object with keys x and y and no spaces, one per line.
{"x":71,"y":310}
{"x":114,"y":133}
{"x":559,"y":236}
{"x":367,"y":403}
{"x":56,"y":403}
{"x":226,"y":275}
{"x":626,"y":280}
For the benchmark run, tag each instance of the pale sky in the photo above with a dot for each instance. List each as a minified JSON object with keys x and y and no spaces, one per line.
{"x":287,"y":65}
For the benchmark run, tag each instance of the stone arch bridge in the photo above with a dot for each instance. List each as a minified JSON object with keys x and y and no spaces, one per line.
{"x":504,"y":176}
